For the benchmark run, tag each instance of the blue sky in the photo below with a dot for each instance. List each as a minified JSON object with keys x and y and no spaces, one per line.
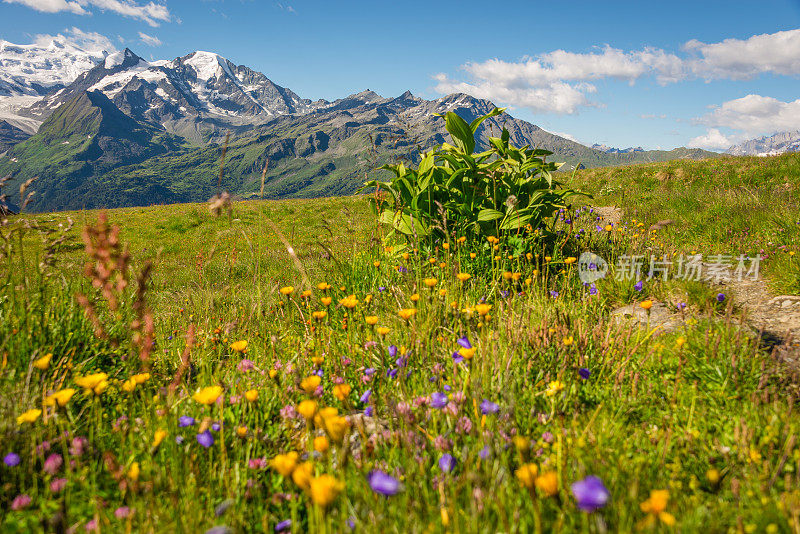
{"x":654,"y":74}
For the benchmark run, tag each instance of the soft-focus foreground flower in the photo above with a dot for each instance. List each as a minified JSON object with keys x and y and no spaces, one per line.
{"x":28,"y":417}
{"x":590,"y":493}
{"x":383,"y":483}
{"x":324,"y":489}
{"x":239,"y":346}
{"x":44,"y":362}
{"x":205,"y":439}
{"x":208,"y":395}
{"x":447,"y":463}
{"x":656,"y":507}
{"x":95,"y":383}
{"x":438,"y":400}
{"x":284,"y":464}
{"x":554,"y":388}
{"x":489,"y":407}
{"x":11,"y":459}
{"x":526,"y":474}
{"x":60,"y":398}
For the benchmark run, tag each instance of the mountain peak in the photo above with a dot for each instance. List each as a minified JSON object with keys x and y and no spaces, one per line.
{"x":126,"y":58}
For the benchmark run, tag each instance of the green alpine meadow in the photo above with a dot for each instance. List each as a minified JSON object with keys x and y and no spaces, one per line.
{"x":423,"y":357}
{"x":401,"y":268}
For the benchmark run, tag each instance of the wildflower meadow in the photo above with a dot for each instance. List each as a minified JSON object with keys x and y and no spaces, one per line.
{"x":434,"y":365}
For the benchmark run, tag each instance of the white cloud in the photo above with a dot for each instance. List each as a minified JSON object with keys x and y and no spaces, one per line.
{"x":558,"y":81}
{"x":754,"y":115}
{"x":51,"y":6}
{"x":149,"y":40}
{"x":712,"y":140}
{"x":151,"y":13}
{"x":774,"y":53}
{"x":566,"y":136}
{"x":92,"y":42}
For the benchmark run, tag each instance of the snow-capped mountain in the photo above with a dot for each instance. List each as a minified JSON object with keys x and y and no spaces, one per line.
{"x":772,"y":145}
{"x":200,"y":85}
{"x":27,"y":72}
{"x":35,"y":69}
{"x":612,"y":150}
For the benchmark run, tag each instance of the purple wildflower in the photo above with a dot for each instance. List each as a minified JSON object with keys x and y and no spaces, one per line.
{"x":365,"y":397}
{"x":11,"y":459}
{"x":638,"y":286}
{"x":205,"y":439}
{"x":447,"y":463}
{"x":590,"y":493}
{"x":438,"y":400}
{"x":185,"y":420}
{"x":485,"y":452}
{"x":489,"y":407}
{"x":369,"y":371}
{"x":286,"y":524}
{"x":464,"y":342}
{"x":245,"y":365}
{"x":382,"y":483}
{"x":368,"y":411}
{"x":554,"y":294}
{"x":215,"y":427}
{"x":457,"y":358}
{"x":584,"y":373}
{"x":392,"y":351}
{"x":720,"y":297}
{"x":78,"y":446}
{"x":592,"y":290}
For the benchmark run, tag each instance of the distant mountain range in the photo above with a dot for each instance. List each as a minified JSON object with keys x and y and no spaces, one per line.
{"x":779,"y":143}
{"x":611,"y":150}
{"x":131,"y":132}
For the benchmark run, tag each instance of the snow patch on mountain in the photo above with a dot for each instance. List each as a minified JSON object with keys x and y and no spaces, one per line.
{"x":773,"y":145}
{"x":34,"y":69}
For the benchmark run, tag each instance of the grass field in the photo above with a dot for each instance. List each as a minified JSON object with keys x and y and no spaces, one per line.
{"x":287,"y":385}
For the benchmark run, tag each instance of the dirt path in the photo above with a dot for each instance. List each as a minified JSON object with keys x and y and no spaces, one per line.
{"x":775,"y":318}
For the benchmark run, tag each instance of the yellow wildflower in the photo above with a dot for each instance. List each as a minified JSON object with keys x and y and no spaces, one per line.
{"x":44,"y":362}
{"x":158,"y":437}
{"x":371,"y":320}
{"x":133,"y":471}
{"x":467,"y":354}
{"x":430,"y":282}
{"x":310,"y":384}
{"x":326,"y":301}
{"x":548,"y":483}
{"x":239,"y":346}
{"x":341,"y":391}
{"x":284,"y":464}
{"x":29,"y":417}
{"x":483,"y":309}
{"x":93,"y":381}
{"x":251,"y":395}
{"x":286,"y":290}
{"x":526,"y":474}
{"x":463,"y":277}
{"x":407,"y":313}
{"x":60,"y":398}
{"x":382,"y":330}
{"x":554,"y":388}
{"x":302,"y":475}
{"x":325,"y":489}
{"x":646,"y":304}
{"x":319,"y":315}
{"x":208,"y":395}
{"x":321,"y":444}
{"x":307,"y":408}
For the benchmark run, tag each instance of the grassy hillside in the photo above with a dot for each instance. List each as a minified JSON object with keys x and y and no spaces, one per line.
{"x":742,"y":205}
{"x":287,"y":386}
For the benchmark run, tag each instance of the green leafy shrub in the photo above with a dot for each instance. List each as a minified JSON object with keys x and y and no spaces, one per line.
{"x":457,"y":192}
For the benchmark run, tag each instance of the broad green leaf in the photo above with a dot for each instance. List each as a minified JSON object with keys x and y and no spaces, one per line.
{"x":460,"y":132}
{"x":477,"y":122}
{"x":489,"y":214}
